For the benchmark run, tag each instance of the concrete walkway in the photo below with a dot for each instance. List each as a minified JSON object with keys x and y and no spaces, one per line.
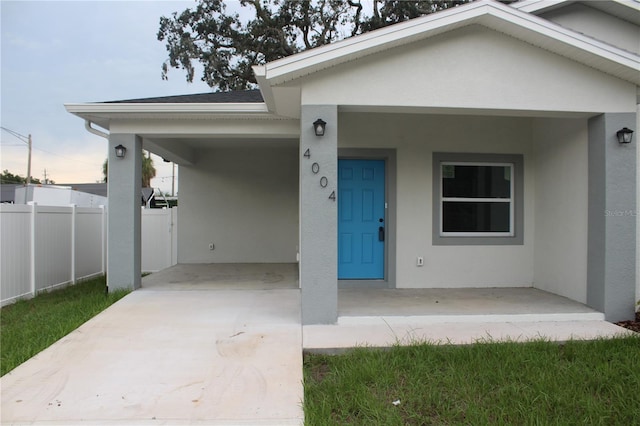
{"x":222,"y":357}
{"x":223,"y":345}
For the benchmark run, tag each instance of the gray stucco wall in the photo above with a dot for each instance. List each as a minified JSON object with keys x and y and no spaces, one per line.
{"x":414,"y":138}
{"x":123,"y":219}
{"x":243,"y":199}
{"x":318,"y":216}
{"x":560,"y":163}
{"x":612,"y":222}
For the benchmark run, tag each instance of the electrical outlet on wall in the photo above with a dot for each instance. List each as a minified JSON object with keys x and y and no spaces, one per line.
{"x":211,"y":246}
{"x":420,"y":261}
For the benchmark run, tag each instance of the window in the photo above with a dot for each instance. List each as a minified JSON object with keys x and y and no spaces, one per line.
{"x":477,"y":199}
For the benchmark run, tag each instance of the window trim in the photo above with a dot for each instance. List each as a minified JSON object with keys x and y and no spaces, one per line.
{"x":515,"y":236}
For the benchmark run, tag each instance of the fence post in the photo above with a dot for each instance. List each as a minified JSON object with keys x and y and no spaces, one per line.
{"x":32,"y":254}
{"x":73,"y":243}
{"x":102,"y":240}
{"x":174,"y":235}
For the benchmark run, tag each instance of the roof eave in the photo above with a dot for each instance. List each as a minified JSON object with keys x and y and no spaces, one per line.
{"x":260,"y":72}
{"x":624,"y":9}
{"x":102,"y":114}
{"x":531,"y":6}
{"x":158,"y":108}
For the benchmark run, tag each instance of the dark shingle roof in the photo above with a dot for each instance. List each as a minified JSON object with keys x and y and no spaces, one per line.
{"x":99,"y":188}
{"x":240,"y":96}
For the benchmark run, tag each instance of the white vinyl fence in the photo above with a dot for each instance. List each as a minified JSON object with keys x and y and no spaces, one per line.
{"x":43,"y":247}
{"x":159,"y":242}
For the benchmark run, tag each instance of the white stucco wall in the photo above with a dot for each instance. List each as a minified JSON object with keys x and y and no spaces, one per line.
{"x":243,"y":200}
{"x":416,"y":137}
{"x":458,"y":69}
{"x":561,"y":200}
{"x":597,"y":24}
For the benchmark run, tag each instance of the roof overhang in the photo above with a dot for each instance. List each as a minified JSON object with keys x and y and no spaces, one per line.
{"x":103,"y":113}
{"x":629,"y":10}
{"x":489,"y":13}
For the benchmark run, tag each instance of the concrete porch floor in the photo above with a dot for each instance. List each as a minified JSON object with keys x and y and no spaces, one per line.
{"x":230,"y":276}
{"x":457,"y":301}
{"x":223,"y":344}
{"x":384,"y":317}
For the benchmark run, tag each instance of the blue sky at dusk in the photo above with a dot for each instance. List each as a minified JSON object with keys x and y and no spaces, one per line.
{"x":56,"y":52}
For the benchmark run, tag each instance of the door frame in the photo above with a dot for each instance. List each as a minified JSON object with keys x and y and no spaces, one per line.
{"x":389,"y":158}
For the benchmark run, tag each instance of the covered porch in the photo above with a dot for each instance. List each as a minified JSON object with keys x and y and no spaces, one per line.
{"x":269,"y":200}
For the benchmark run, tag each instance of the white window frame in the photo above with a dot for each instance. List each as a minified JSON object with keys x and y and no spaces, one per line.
{"x":518,"y":195}
{"x":509,"y":200}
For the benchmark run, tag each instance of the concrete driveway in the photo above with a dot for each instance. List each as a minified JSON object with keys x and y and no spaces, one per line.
{"x":215,"y":357}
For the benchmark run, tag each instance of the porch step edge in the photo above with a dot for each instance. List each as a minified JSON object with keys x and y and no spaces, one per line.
{"x":486,"y":318}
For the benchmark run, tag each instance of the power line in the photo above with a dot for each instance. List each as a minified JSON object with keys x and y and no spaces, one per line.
{"x":18,"y":135}
{"x":27,"y":140}
{"x":23,"y":138}
{"x":96,"y":164}
{"x":64,"y":156}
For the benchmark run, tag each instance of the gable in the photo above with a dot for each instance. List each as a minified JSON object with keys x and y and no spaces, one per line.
{"x":596,"y":23}
{"x":599,"y":67}
{"x":474,"y":68}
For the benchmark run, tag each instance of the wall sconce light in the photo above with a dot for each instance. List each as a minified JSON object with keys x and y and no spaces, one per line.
{"x":120,"y":151}
{"x":624,"y":135}
{"x":319,"y":126}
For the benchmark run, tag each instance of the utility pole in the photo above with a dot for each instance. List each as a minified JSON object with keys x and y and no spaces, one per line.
{"x":27,"y":140}
{"x":45,"y":177}
{"x":29,"y":161}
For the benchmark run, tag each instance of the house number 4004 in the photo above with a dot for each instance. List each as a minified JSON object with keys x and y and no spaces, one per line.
{"x":315,"y":169}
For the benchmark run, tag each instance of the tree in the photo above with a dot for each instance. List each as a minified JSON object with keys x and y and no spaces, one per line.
{"x":105,"y":170}
{"x":227,"y":46}
{"x":10,"y":178}
{"x":148,"y":171}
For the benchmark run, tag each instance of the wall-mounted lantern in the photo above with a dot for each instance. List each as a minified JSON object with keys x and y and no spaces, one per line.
{"x":624,"y":135}
{"x":120,"y":151}
{"x":319,"y":126}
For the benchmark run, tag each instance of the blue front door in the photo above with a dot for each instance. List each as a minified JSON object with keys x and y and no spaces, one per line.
{"x":361,"y":219}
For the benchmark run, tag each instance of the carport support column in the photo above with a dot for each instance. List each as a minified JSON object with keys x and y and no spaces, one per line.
{"x":123,"y":219}
{"x":318,"y":215}
{"x":612,"y":217}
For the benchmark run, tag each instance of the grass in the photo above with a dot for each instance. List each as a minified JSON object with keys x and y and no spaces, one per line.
{"x":29,"y":326}
{"x":580,"y":382}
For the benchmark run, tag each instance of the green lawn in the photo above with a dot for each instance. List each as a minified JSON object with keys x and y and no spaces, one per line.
{"x":29,"y":326}
{"x":541,"y":383}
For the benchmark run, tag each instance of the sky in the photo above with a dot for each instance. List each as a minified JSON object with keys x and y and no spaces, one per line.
{"x":57,"y":52}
